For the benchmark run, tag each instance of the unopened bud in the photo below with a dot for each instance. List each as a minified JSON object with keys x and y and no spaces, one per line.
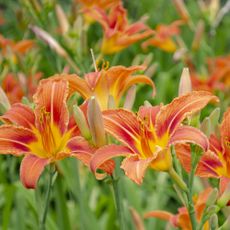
{"x":181,"y":9}
{"x":130,"y":97}
{"x":43,"y":35}
{"x":212,"y":209}
{"x":62,"y":19}
{"x":185,"y":85}
{"x":138,"y":223}
{"x":205,"y":126}
{"x":96,"y":124}
{"x":147,"y":103}
{"x":213,"y":221}
{"x":81,"y":122}
{"x":225,"y":197}
{"x":198,"y":35}
{"x":212,"y":197}
{"x":4,"y":101}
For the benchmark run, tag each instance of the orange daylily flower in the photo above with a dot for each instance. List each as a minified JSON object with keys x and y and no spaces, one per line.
{"x":118,"y":34}
{"x":102,"y":4}
{"x":163,"y":37}
{"x":181,"y":219}
{"x":107,"y":83}
{"x":19,"y":47}
{"x":216,"y":161}
{"x":217,"y":77}
{"x":15,"y":88}
{"x":148,"y":135}
{"x":44,"y":135}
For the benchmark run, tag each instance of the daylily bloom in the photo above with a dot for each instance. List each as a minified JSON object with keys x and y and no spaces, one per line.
{"x":216,"y":161}
{"x":102,"y":4}
{"x":217,"y":77}
{"x":163,"y":37}
{"x":118,"y":34}
{"x":148,"y":135}
{"x":19,"y":47}
{"x":44,"y":135}
{"x":107,"y":83}
{"x":18,"y":86}
{"x":181,"y":219}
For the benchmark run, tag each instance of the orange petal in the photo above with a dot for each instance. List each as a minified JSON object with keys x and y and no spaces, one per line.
{"x":15,"y":140}
{"x":224,"y":182}
{"x":84,"y":152}
{"x":163,"y":215}
{"x":208,"y":166}
{"x":190,"y":134}
{"x":31,"y":169}
{"x":23,"y":46}
{"x":124,"y":126}
{"x":107,"y":152}
{"x":135,"y":168}
{"x":173,"y":114}
{"x":76,"y":84}
{"x":50,"y":99}
{"x":21,"y":115}
{"x":215,"y":144}
{"x":225,"y":134}
{"x":148,"y":114}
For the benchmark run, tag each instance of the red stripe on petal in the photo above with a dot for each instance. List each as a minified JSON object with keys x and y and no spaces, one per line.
{"x":123,"y":125}
{"x":171,"y":115}
{"x":190,"y":134}
{"x":20,"y":114}
{"x":15,"y":140}
{"x":50,"y":100}
{"x":31,"y":169}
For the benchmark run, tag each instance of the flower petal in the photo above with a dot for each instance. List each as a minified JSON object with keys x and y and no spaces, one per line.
{"x":31,"y":169}
{"x":135,"y":168}
{"x":173,"y":114}
{"x":84,"y":152}
{"x":190,"y":134}
{"x":208,"y":166}
{"x":107,"y":152}
{"x":50,"y":99}
{"x":163,"y":215}
{"x":15,"y":140}
{"x":124,"y":126}
{"x":76,"y":84}
{"x":224,"y":182}
{"x":225,"y":134}
{"x":20,"y":114}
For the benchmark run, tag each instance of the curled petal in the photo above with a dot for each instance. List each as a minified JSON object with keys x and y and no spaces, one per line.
{"x":50,"y":100}
{"x":171,"y":115}
{"x":107,"y":152}
{"x":135,"y":168}
{"x":15,"y":140}
{"x":31,"y":169}
{"x":190,"y":134}
{"x":20,"y":114}
{"x":123,"y":125}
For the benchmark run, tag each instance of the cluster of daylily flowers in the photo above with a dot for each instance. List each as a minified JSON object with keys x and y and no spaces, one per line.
{"x":89,"y":115}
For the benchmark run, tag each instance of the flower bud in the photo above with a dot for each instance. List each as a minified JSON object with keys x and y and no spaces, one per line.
{"x":130,"y":97}
{"x":181,"y":9}
{"x":81,"y":122}
{"x":213,"y":221}
{"x":4,"y":101}
{"x":212,"y":197}
{"x":62,"y":19}
{"x":198,"y":35}
{"x":185,"y":85}
{"x":225,"y":197}
{"x":96,"y":124}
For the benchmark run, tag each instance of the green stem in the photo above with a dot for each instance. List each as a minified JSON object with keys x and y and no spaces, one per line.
{"x":47,"y":199}
{"x":191,"y":209}
{"x":119,"y":206}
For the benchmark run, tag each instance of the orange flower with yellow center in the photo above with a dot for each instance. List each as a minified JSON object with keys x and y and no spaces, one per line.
{"x":118,"y":34}
{"x":106,"y":84}
{"x":148,"y":135}
{"x":44,"y":135}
